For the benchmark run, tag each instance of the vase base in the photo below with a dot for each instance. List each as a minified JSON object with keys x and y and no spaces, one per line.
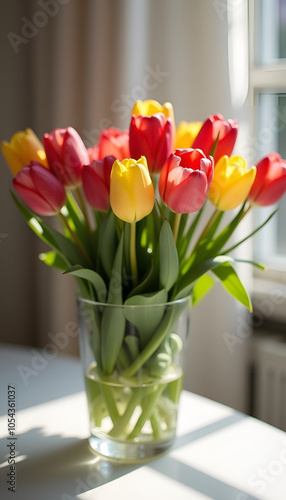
{"x":125,"y":452}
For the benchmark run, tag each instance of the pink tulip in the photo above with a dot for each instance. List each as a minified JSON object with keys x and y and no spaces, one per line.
{"x":66,"y":155}
{"x":40,"y":189}
{"x":185,"y":180}
{"x":270,"y":181}
{"x":96,"y":182}
{"x":153,"y":137}
{"x":208,"y":133}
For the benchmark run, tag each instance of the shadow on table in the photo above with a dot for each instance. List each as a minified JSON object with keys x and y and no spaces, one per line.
{"x":69,"y":468}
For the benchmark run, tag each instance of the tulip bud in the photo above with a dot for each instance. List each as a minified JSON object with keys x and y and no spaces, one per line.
{"x":151,"y":133}
{"x":270,"y":181}
{"x":40,"y":189}
{"x":96,"y":182}
{"x":66,"y":155}
{"x":186,"y":134}
{"x":131,"y":189}
{"x":23,"y":148}
{"x":113,"y":142}
{"x":216,"y":127}
{"x":185,"y":179}
{"x":151,"y":107}
{"x":231,"y":182}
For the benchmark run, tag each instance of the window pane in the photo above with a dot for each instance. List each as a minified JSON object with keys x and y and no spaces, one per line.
{"x":282,"y":150}
{"x":271,"y":136}
{"x":271,"y":29}
{"x":282,"y":28}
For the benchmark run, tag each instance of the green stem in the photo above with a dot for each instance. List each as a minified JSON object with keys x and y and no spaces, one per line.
{"x":176,"y":226}
{"x":147,"y":411}
{"x":75,"y":238}
{"x":133,"y":260}
{"x":152,"y":345}
{"x":110,"y":403}
{"x":208,"y":226}
{"x":83,"y":208}
{"x":124,"y":420}
{"x":155,"y":423}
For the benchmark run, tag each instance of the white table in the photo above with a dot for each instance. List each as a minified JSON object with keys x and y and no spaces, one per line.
{"x":219,"y":453}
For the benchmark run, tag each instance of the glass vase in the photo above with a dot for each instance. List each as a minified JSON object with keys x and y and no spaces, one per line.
{"x":133,"y":359}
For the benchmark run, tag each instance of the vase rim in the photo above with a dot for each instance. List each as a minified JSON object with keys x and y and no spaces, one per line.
{"x":182,"y":300}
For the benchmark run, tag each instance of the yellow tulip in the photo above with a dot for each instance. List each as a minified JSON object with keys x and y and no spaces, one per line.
{"x":186,"y":134}
{"x":231,"y":182}
{"x":150,"y":107}
{"x":131,"y":189}
{"x":23,"y":148}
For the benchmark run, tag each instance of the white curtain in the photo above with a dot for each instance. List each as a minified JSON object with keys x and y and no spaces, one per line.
{"x":84,"y":65}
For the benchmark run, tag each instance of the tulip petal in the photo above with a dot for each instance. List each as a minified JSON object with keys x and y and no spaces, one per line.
{"x":272,"y":192}
{"x":34,"y":200}
{"x":13,"y":160}
{"x":234,"y":192}
{"x":187,"y":190}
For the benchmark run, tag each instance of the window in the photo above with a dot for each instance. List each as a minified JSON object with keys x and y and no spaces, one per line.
{"x":268,"y":87}
{"x":268,"y":98}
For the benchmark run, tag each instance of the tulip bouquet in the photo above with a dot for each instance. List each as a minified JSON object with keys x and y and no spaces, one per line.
{"x":130,"y":211}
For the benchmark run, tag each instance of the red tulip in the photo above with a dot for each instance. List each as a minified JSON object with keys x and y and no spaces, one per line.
{"x":40,"y":189}
{"x":185,"y":180}
{"x":270,"y":181}
{"x":66,"y":155}
{"x":96,"y":182}
{"x":93,"y":153}
{"x":208,"y":133}
{"x":153,"y":137}
{"x":113,"y":141}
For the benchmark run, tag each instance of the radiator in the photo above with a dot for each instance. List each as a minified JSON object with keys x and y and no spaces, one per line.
{"x":269,"y":382}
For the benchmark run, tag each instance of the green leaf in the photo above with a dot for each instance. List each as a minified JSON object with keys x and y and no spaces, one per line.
{"x":107,"y":243}
{"x":211,"y":248}
{"x":67,"y":249}
{"x":169,"y":262}
{"x":262,"y":267}
{"x":198,"y":270}
{"x":112,"y":335}
{"x":148,"y":283}
{"x":251,"y":234}
{"x":115,"y":285}
{"x":133,"y":346}
{"x":202,"y":286}
{"x":184,"y":292}
{"x":231,"y":282}
{"x":75,"y":215}
{"x":146,"y":323}
{"x":184,"y":239}
{"x":94,"y":278}
{"x":113,"y":319}
{"x":53,"y":259}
